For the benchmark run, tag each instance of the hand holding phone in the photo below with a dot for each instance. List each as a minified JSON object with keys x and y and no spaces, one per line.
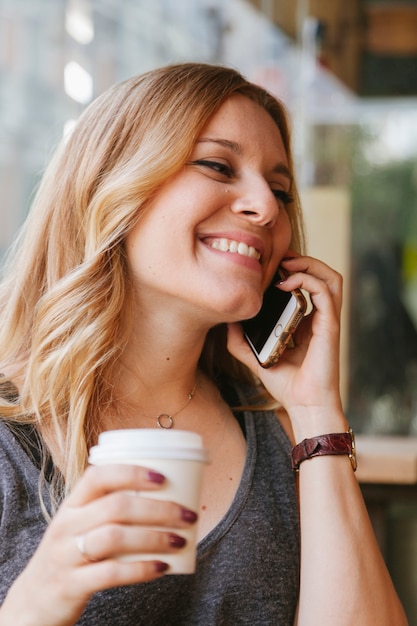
{"x":271,"y":330}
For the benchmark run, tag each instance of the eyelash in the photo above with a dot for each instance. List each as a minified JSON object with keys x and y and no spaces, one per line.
{"x":220,"y":168}
{"x":281,"y":195}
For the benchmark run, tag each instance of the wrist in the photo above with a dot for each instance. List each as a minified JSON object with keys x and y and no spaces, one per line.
{"x":340,"y":443}
{"x":313,"y":421}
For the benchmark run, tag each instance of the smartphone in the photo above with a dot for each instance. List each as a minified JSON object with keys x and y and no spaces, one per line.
{"x":271,"y":330}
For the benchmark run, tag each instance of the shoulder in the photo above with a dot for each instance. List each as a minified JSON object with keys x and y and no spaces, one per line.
{"x":22,"y":523}
{"x":14,"y":458}
{"x":8,"y":442}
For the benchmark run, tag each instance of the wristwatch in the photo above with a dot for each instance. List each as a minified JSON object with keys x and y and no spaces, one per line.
{"x":322,"y":445}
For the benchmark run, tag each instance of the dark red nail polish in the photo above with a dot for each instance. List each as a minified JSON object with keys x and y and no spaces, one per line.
{"x":161,"y":567}
{"x":188,"y":516}
{"x":156,"y":477}
{"x":176,"y":541}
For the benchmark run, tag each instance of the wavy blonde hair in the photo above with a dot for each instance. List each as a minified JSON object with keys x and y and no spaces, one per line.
{"x":66,"y":298}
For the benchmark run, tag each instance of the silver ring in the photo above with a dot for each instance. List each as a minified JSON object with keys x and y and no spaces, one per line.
{"x":80,"y":539}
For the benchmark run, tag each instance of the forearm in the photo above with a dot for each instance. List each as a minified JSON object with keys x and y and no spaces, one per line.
{"x":344,"y":579}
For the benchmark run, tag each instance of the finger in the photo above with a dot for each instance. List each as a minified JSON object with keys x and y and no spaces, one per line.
{"x":117,"y":573}
{"x":239,"y":347}
{"x":101,"y":480}
{"x":117,"y":541}
{"x":325,"y":292}
{"x":314,"y":267}
{"x":130,"y":508}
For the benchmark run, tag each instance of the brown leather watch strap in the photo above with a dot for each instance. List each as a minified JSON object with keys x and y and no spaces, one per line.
{"x":335,"y":443}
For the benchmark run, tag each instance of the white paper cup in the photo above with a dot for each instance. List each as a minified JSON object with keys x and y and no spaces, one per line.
{"x":177,"y":454}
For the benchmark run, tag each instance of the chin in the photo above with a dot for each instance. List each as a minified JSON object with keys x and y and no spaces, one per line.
{"x":233,"y":306}
{"x":245,"y":311}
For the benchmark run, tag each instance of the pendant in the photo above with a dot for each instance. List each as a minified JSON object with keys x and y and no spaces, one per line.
{"x":165,"y":421}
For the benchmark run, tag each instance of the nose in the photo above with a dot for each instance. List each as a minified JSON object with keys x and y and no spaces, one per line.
{"x":256,"y":203}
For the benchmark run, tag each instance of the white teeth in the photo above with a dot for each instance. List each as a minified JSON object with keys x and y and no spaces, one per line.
{"x":223,"y":245}
{"x":243,"y":249}
{"x":237,"y":247}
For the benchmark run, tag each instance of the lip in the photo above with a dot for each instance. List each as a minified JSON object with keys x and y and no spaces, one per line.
{"x":247,"y":238}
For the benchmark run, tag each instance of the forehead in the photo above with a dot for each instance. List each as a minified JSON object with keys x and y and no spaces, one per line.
{"x":247,"y":124}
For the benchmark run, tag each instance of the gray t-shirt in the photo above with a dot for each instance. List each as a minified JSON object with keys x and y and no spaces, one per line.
{"x":248,"y":565}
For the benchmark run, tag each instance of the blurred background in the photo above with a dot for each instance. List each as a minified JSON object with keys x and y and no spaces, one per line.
{"x":347,"y":72}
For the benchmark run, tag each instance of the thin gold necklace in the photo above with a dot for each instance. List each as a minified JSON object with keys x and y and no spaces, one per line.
{"x":166,"y":420}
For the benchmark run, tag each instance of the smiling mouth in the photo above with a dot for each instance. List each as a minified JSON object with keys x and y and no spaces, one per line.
{"x":235,"y":247}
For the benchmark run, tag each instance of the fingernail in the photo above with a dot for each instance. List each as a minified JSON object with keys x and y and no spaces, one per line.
{"x":188,"y":516}
{"x":161,"y":567}
{"x":287,"y":258}
{"x":156,"y":477}
{"x":176,"y":541}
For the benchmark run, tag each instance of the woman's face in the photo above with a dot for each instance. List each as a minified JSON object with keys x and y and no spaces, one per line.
{"x":214,"y":234}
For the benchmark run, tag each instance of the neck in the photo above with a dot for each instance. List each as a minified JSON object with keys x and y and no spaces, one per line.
{"x":159,"y":366}
{"x":165,"y":340}
{"x":156,"y":376}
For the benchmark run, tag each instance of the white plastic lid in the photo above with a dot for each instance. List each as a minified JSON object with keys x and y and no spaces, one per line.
{"x":148,"y":443}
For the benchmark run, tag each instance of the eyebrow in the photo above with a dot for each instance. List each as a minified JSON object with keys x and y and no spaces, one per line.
{"x":226,"y":143}
{"x":280,"y":168}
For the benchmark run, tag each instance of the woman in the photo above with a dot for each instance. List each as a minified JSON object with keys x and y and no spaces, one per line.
{"x":156,"y":229}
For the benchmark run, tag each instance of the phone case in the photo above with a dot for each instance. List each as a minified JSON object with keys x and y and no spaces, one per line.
{"x":271,"y":331}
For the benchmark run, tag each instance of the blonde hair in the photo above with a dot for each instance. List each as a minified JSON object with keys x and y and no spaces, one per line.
{"x":66,"y":301}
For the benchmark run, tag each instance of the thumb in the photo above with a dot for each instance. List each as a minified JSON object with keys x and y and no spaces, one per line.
{"x":239,"y":347}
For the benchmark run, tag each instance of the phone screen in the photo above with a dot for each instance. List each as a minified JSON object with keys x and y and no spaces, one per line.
{"x":260,"y":327}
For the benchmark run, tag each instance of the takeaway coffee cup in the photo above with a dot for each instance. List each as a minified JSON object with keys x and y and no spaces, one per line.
{"x":177,"y":454}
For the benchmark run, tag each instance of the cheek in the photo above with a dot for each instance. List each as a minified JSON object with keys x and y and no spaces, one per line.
{"x":281,"y":244}
{"x":282,"y":234}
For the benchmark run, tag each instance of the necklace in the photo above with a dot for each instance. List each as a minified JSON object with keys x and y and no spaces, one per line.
{"x":166,"y":420}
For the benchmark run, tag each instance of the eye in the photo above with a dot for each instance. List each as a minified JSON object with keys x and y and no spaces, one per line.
{"x":283,"y":196}
{"x":216,"y":166}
